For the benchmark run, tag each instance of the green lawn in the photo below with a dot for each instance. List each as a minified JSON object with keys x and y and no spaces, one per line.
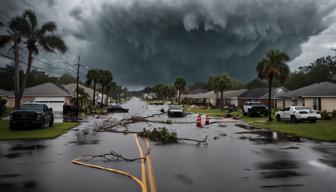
{"x":321,"y":131}
{"x":49,"y":133}
{"x":210,"y":112}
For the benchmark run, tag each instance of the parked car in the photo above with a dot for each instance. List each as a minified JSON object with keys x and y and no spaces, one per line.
{"x":175,"y":111}
{"x":31,"y":115}
{"x":298,"y":113}
{"x":253,"y":108}
{"x":116,"y":108}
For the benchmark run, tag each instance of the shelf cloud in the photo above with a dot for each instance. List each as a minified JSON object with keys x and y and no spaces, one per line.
{"x":148,"y":41}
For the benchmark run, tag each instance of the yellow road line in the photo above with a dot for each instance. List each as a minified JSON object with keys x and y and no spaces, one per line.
{"x":143,"y":188}
{"x":149,"y":169}
{"x":143,"y":171}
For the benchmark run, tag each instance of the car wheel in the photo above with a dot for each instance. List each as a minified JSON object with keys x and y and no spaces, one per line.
{"x":293,"y":118}
{"x":51,"y":122}
{"x":278,"y":118}
{"x":12,"y":127}
{"x":42,"y":124}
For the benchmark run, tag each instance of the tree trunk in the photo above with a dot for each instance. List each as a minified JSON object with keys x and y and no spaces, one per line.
{"x":107,"y":95}
{"x":26,"y":75}
{"x":270,"y":99}
{"x":179,"y":97}
{"x":222,"y":106}
{"x":17,"y":75}
{"x":94,"y":93}
{"x":217,"y":103}
{"x":102,"y":92}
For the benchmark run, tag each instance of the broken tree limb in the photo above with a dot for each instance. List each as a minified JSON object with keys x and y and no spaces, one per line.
{"x":204,"y":141}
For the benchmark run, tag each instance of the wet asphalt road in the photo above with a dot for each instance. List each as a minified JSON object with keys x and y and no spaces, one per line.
{"x":228,"y":163}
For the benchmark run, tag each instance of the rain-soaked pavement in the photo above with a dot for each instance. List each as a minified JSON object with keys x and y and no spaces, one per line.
{"x":236,"y":159}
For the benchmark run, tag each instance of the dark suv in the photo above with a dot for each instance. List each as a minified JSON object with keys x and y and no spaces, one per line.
{"x":31,"y":115}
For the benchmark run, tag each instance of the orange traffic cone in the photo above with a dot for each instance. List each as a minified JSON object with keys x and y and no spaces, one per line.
{"x":207,"y":120}
{"x":199,"y":121}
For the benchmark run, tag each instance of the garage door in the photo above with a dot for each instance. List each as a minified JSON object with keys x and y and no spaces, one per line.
{"x":56,"y":103}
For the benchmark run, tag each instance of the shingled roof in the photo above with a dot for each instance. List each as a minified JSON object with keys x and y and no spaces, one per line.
{"x":5,"y":93}
{"x":322,"y":89}
{"x":262,"y":93}
{"x":46,"y":90}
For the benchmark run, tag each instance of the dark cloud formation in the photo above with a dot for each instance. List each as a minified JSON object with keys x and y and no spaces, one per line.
{"x":147,"y":41}
{"x":150,"y":41}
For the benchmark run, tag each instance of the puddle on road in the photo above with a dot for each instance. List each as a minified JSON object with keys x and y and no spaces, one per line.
{"x":329,"y":154}
{"x":184,"y":179}
{"x":12,"y":155}
{"x":281,"y":164}
{"x":280,"y":174}
{"x":21,"y":147}
{"x":279,"y":169}
{"x":264,"y":136}
{"x":12,"y":175}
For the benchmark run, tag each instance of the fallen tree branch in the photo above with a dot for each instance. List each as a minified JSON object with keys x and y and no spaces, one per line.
{"x":204,"y":141}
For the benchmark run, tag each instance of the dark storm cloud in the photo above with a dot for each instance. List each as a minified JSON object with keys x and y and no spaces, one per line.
{"x":148,"y":41}
{"x":151,"y":41}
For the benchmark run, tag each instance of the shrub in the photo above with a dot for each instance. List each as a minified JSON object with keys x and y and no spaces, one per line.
{"x":2,"y":106}
{"x":325,"y":115}
{"x":334,"y":113}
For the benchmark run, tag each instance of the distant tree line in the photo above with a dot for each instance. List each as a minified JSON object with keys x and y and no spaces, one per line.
{"x":36,"y":77}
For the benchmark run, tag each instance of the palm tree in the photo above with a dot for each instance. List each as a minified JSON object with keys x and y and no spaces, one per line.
{"x":13,"y":39}
{"x":36,"y":37}
{"x":92,"y":77}
{"x":180,"y":85}
{"x":104,"y":78}
{"x":214,"y":85}
{"x":224,"y":82}
{"x":273,"y":66}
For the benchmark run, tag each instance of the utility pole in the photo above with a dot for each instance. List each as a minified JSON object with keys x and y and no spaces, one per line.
{"x":77,"y":88}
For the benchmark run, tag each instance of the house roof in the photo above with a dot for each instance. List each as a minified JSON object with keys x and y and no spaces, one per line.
{"x":212,"y":94}
{"x":262,"y":93}
{"x":233,"y":93}
{"x":205,"y":95}
{"x":71,"y":88}
{"x":5,"y":93}
{"x":322,"y":89}
{"x":278,"y":92}
{"x":46,"y":90}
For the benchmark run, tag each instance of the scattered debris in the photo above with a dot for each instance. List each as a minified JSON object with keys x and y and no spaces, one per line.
{"x":290,"y":147}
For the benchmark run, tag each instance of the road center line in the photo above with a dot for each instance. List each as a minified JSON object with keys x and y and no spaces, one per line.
{"x":149,"y":169}
{"x":143,"y":171}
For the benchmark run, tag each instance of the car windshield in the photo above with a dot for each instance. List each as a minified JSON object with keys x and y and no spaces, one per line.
{"x":176,"y":107}
{"x":255,"y":103}
{"x":34,"y":107}
{"x":302,"y":108}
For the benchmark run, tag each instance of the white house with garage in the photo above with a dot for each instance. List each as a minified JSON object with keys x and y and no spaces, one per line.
{"x":48,"y":93}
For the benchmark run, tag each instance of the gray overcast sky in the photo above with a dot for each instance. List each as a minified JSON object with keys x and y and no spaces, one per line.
{"x":148,"y":41}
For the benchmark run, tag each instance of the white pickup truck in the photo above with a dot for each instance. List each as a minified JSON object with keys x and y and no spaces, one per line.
{"x":298,"y":113}
{"x":254,"y":108}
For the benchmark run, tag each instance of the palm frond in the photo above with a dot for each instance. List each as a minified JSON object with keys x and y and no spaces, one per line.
{"x":31,"y":18}
{"x":51,"y":43}
{"x":4,"y":40}
{"x":48,"y":27}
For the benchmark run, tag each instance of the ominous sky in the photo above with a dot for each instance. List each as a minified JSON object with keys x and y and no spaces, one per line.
{"x":148,"y":41}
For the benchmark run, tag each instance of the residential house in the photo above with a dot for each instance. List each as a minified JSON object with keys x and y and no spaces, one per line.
{"x":5,"y":95}
{"x":319,"y":96}
{"x":261,"y":95}
{"x":47,"y":93}
{"x":71,"y":88}
{"x":231,"y":96}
